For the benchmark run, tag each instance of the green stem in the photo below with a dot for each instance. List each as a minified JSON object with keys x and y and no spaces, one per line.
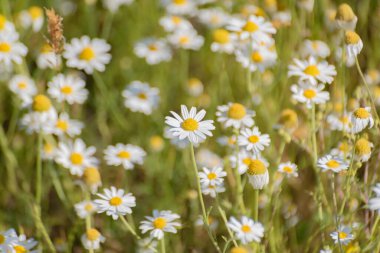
{"x":224,"y":218}
{"x":107,"y":25}
{"x":240,"y":197}
{"x":41,"y":228}
{"x":163,"y":245}
{"x":128,"y":226}
{"x":375,"y":226}
{"x":314,"y":135}
{"x":10,"y":162}
{"x":204,"y":214}
{"x":336,"y":211}
{"x":88,"y":219}
{"x":39,"y":171}
{"x":255,"y":209}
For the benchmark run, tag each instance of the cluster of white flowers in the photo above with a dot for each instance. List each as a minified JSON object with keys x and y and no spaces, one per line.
{"x":12,"y":242}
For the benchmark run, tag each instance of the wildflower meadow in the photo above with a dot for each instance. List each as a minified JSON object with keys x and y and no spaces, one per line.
{"x":189,"y":126}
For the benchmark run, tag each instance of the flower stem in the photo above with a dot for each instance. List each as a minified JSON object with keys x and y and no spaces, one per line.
{"x":41,"y":228}
{"x":375,"y":226}
{"x":255,"y":205}
{"x":39,"y":171}
{"x":224,"y":218}
{"x":336,"y":211}
{"x":128,"y":226}
{"x":163,"y":245}
{"x":204,"y":214}
{"x":88,"y":219}
{"x":240,"y":198}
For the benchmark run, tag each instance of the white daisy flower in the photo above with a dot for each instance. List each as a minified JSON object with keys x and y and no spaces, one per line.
{"x":85,"y":208}
{"x":339,"y":122}
{"x":186,"y":39}
{"x":6,"y":27}
{"x":349,"y":61}
{"x":325,"y":250}
{"x":333,"y":163}
{"x":179,"y":7}
{"x":254,"y":28}
{"x":22,"y":85}
{"x":7,"y":240}
{"x":126,"y":155}
{"x":49,"y":151}
{"x":289,"y":169}
{"x":195,"y":87}
{"x":174,"y":140}
{"x":68,"y":88}
{"x":24,"y":244}
{"x":212,"y":190}
{"x":252,"y":139}
{"x":343,"y":150}
{"x":115,"y":202}
{"x":256,"y":57}
{"x":374,"y":202}
{"x":91,"y":177}
{"x":244,"y":160}
{"x":174,"y":23}
{"x":345,"y":17}
{"x":361,"y":118}
{"x":223,"y":41}
{"x":140,"y":97}
{"x":114,"y":5}
{"x":146,"y":245}
{"x":309,"y":94}
{"x":190,"y":125}
{"x":11,"y":50}
{"x":246,"y":230}
{"x":235,"y":115}
{"x":257,"y":172}
{"x":315,"y":48}
{"x":47,"y":58}
{"x":213,"y":177}
{"x":32,"y":17}
{"x":87,"y":54}
{"x":363,"y":150}
{"x":75,"y":156}
{"x":342,"y":236}
{"x":153,"y":50}
{"x":64,"y":125}
{"x":354,"y":44}
{"x":312,"y":71}
{"x":213,"y":17}
{"x":92,"y":239}
{"x":160,"y":222}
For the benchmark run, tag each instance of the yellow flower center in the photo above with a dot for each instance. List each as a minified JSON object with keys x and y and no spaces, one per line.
{"x":184,"y":40}
{"x":236,"y":111}
{"x":180,"y":2}
{"x":211,"y":175}
{"x":351,"y":38}
{"x":288,"y":118}
{"x":288,"y":169}
{"x":48,"y":148}
{"x":67,"y":90}
{"x":87,"y":54}
{"x":115,"y":201}
{"x":91,"y":176}
{"x":176,"y":20}
{"x":345,"y":13}
{"x":344,"y":147}
{"x":76,"y":158}
{"x":153,"y":47}
{"x":92,"y":234}
{"x":311,"y":70}
{"x":190,"y":125}
{"x":361,"y":113}
{"x":124,"y":154}
{"x":41,"y":103}
{"x":253,"y":138}
{"x":238,"y":250}
{"x":3,"y":21}
{"x":142,"y":96}
{"x":247,"y":161}
{"x":256,"y":167}
{"x":61,"y":124}
{"x":20,"y":249}
{"x":314,"y":45}
{"x":257,"y":57}
{"x":309,"y":93}
{"x":22,"y":85}
{"x":342,"y":235}
{"x":221,"y":36}
{"x":2,"y":239}
{"x":46,"y":48}
{"x":159,"y":223}
{"x":5,"y":47}
{"x":333,"y":164}
{"x":362,"y":147}
{"x":35,"y":12}
{"x":246,"y":228}
{"x":156,"y":142}
{"x":345,"y":120}
{"x":88,"y":207}
{"x":250,"y":27}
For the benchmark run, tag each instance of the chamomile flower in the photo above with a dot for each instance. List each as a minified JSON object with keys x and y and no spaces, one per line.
{"x":325,"y":250}
{"x":87,"y":54}
{"x":92,"y":239}
{"x":345,"y":17}
{"x":153,"y":50}
{"x":309,"y":94}
{"x":253,"y":140}
{"x":244,"y":159}
{"x":313,"y":71}
{"x":7,"y":240}
{"x":363,"y":150}
{"x":126,"y":155}
{"x":160,"y":222}
{"x":339,"y":122}
{"x":115,"y":202}
{"x":256,"y":57}
{"x":24,"y":244}
{"x":91,"y":177}
{"x":172,"y":23}
{"x":85,"y":208}
{"x":354,"y":44}
{"x":64,"y":125}
{"x":214,"y":176}
{"x":22,"y":85}
{"x":343,"y":150}
{"x":361,"y":118}
{"x":333,"y":163}
{"x":47,"y":58}
{"x":223,"y":41}
{"x":179,"y":7}
{"x":6,"y":27}
{"x":186,"y":39}
{"x":174,"y":140}
{"x":114,"y":5}
{"x":212,"y":190}
{"x":190,"y":125}
{"x":140,"y":97}
{"x":254,"y":28}
{"x":246,"y":230}
{"x":70,"y":89}
{"x":289,"y":169}
{"x":235,"y":115}
{"x":374,"y":202}
{"x":146,"y":245}
{"x":48,"y":151}
{"x":76,"y":156}
{"x":194,"y":87}
{"x":32,"y":17}
{"x":315,"y":48}
{"x":342,"y":236}
{"x":11,"y":50}
{"x":213,"y":17}
{"x":257,"y":172}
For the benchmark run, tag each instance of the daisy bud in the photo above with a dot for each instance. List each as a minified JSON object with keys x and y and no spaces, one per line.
{"x":258,"y":174}
{"x":91,"y":178}
{"x":363,"y":149}
{"x":345,"y":17}
{"x":353,"y":43}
